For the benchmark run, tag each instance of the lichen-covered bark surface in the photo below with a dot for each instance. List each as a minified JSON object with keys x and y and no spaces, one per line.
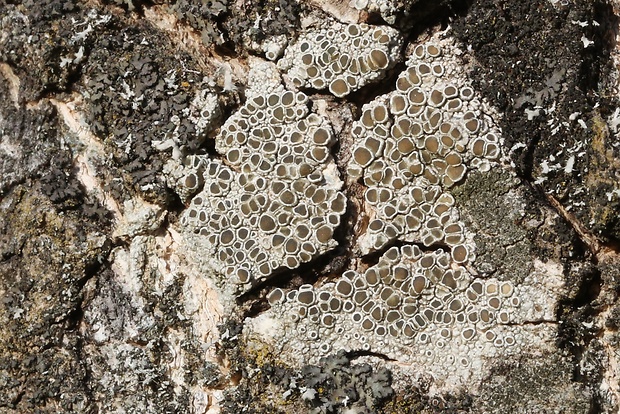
{"x":372,"y":206}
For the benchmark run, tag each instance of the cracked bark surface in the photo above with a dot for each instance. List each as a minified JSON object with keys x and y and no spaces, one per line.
{"x":107,"y":304}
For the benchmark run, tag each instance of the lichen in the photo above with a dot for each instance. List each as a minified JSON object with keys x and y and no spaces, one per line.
{"x":341,"y":58}
{"x":423,"y":304}
{"x":417,"y":142}
{"x":540,"y":80}
{"x":532,"y":385}
{"x":144,"y":106}
{"x":273,"y":202}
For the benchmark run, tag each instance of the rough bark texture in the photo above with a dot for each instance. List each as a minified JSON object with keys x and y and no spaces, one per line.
{"x":372,"y":206}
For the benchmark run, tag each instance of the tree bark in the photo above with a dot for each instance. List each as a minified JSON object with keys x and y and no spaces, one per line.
{"x":373,"y":206}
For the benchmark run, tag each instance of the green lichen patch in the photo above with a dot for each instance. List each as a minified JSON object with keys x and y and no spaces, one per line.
{"x":601,"y":179}
{"x":511,"y":227}
{"x":533,"y":385}
{"x":52,"y":241}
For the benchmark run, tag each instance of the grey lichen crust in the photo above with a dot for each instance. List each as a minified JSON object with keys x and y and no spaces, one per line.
{"x":429,"y":304}
{"x":424,"y":308}
{"x":417,"y":142}
{"x":272,"y":201}
{"x":342,"y":58}
{"x":417,"y":308}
